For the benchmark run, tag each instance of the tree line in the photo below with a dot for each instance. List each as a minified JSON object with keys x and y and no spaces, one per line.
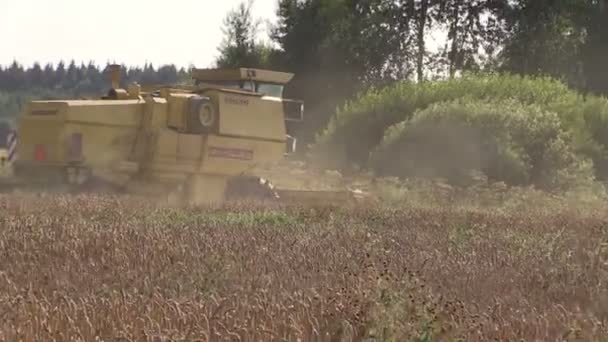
{"x":340,"y":48}
{"x":80,"y":78}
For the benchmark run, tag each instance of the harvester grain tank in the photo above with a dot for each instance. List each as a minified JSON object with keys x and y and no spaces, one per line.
{"x":195,"y":143}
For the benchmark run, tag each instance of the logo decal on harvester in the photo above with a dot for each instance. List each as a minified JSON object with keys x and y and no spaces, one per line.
{"x":238,"y":101}
{"x":230,"y":153}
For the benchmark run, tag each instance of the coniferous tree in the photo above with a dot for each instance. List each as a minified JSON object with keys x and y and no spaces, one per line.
{"x":48,"y":75}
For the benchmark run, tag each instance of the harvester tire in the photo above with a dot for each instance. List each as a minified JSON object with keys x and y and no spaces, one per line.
{"x":206,"y":115}
{"x":202,"y":116}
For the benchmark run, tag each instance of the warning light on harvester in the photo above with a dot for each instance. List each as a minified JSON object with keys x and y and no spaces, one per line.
{"x":40,"y":153}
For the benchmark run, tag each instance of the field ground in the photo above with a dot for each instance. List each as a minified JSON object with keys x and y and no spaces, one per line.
{"x":76,"y":268}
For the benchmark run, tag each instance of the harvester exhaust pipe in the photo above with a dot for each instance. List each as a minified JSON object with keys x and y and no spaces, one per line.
{"x":114,"y":75}
{"x":116,"y":93}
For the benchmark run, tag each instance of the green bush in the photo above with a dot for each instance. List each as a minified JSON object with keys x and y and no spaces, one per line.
{"x":507,"y":141}
{"x":359,"y":126}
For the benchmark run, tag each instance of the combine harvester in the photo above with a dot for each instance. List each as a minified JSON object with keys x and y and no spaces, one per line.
{"x":205,"y":143}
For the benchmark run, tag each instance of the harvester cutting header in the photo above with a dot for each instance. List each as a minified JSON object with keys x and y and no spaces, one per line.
{"x":196,"y":143}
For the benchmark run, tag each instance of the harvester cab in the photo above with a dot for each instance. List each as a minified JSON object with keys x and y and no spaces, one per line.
{"x":264,"y":84}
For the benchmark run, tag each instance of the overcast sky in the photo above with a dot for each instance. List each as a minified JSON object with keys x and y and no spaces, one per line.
{"x":132,"y":32}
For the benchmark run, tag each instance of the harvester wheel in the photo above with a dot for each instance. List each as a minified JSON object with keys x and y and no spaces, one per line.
{"x":243,"y":188}
{"x":201,"y":116}
{"x":206,"y":115}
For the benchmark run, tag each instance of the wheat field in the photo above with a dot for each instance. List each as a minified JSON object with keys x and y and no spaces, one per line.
{"x":102,"y":268}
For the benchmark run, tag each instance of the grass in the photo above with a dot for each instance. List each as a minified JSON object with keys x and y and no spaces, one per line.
{"x":116,"y":269}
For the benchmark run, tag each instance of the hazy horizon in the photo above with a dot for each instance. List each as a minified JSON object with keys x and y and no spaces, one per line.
{"x":180,"y":32}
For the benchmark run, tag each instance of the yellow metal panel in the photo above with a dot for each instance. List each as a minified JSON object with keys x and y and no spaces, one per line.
{"x":111,"y":113}
{"x":41,"y":123}
{"x":166,"y":145}
{"x":178,"y":104}
{"x":89,"y":103}
{"x":50,"y":110}
{"x":102,"y":146}
{"x":157,"y":109}
{"x":251,"y":116}
{"x":189,"y":147}
{"x":40,"y":131}
{"x":107,"y":127}
{"x":231,"y":156}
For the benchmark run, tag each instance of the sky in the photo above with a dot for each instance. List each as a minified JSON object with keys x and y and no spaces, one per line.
{"x":130,"y":32}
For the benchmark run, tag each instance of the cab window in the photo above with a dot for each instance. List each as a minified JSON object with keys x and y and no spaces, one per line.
{"x":270,"y":89}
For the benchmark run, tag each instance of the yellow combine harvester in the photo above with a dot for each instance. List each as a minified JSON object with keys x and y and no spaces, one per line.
{"x":195,"y":144}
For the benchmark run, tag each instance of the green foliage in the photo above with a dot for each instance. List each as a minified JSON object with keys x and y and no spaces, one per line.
{"x":359,"y":125}
{"x":265,"y":218}
{"x":565,"y":39}
{"x":240,"y":47}
{"x":595,"y":49}
{"x":81,"y":79}
{"x":509,"y":142}
{"x":338,"y":48}
{"x":9,"y":105}
{"x":222,"y":217}
{"x":545,"y":39}
{"x":363,"y":123}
